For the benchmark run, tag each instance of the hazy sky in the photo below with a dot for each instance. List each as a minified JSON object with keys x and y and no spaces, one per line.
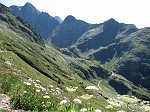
{"x":94,"y":11}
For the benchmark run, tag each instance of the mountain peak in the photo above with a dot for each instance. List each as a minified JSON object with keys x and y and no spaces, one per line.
{"x":111,"y":20}
{"x":29,"y":6}
{"x":70,"y":18}
{"x":111,"y":24}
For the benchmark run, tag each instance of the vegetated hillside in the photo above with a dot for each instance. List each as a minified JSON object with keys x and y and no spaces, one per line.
{"x":35,"y":74}
{"x":132,"y":57}
{"x":69,"y":31}
{"x":41,"y":22}
{"x":127,"y":54}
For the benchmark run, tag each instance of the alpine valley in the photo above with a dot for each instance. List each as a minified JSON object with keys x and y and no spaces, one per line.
{"x":50,"y":65}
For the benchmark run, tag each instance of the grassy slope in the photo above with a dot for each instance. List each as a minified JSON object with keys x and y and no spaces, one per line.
{"x":134,"y":64}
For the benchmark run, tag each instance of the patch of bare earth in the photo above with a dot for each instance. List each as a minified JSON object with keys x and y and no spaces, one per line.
{"x":5,"y":104}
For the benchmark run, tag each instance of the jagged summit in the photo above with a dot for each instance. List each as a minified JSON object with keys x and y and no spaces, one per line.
{"x":70,"y":18}
{"x":29,"y":7}
{"x":111,"y":22}
{"x":28,"y":4}
{"x":111,"y":27}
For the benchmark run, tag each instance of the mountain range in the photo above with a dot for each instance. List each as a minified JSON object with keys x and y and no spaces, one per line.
{"x":112,"y":56}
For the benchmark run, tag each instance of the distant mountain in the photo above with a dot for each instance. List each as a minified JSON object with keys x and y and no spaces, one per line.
{"x":58,"y":19}
{"x":41,"y":22}
{"x":69,"y":31}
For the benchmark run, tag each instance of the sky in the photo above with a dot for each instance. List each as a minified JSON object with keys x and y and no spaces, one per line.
{"x":94,"y":11}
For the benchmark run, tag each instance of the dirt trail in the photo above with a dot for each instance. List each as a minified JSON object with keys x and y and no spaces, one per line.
{"x":5,"y":104}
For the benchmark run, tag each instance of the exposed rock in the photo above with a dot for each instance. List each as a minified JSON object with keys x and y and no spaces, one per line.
{"x":4,"y":102}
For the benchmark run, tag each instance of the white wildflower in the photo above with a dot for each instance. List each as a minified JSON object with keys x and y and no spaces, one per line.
{"x":38,"y":81}
{"x":46,"y":97}
{"x":92,"y":88}
{"x":86,"y":97}
{"x":135,"y":104}
{"x":121,"y":111}
{"x":145,"y":108}
{"x":28,"y":83}
{"x":43,"y":89}
{"x":142,"y":103}
{"x":76,"y":100}
{"x":25,"y":92}
{"x":38,"y":90}
{"x":97,"y":110}
{"x":37,"y":86}
{"x":30,"y":79}
{"x":114,"y":103}
{"x":51,"y":86}
{"x":63,"y":102}
{"x":71,"y":89}
{"x":129,"y":99}
{"x":83,"y":110}
{"x":49,"y":102}
{"x":109,"y":107}
{"x":57,"y":88}
{"x":52,"y":90}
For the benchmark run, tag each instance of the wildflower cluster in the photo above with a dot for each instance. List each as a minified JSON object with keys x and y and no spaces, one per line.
{"x":79,"y":103}
{"x":35,"y":96}
{"x":129,"y":103}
